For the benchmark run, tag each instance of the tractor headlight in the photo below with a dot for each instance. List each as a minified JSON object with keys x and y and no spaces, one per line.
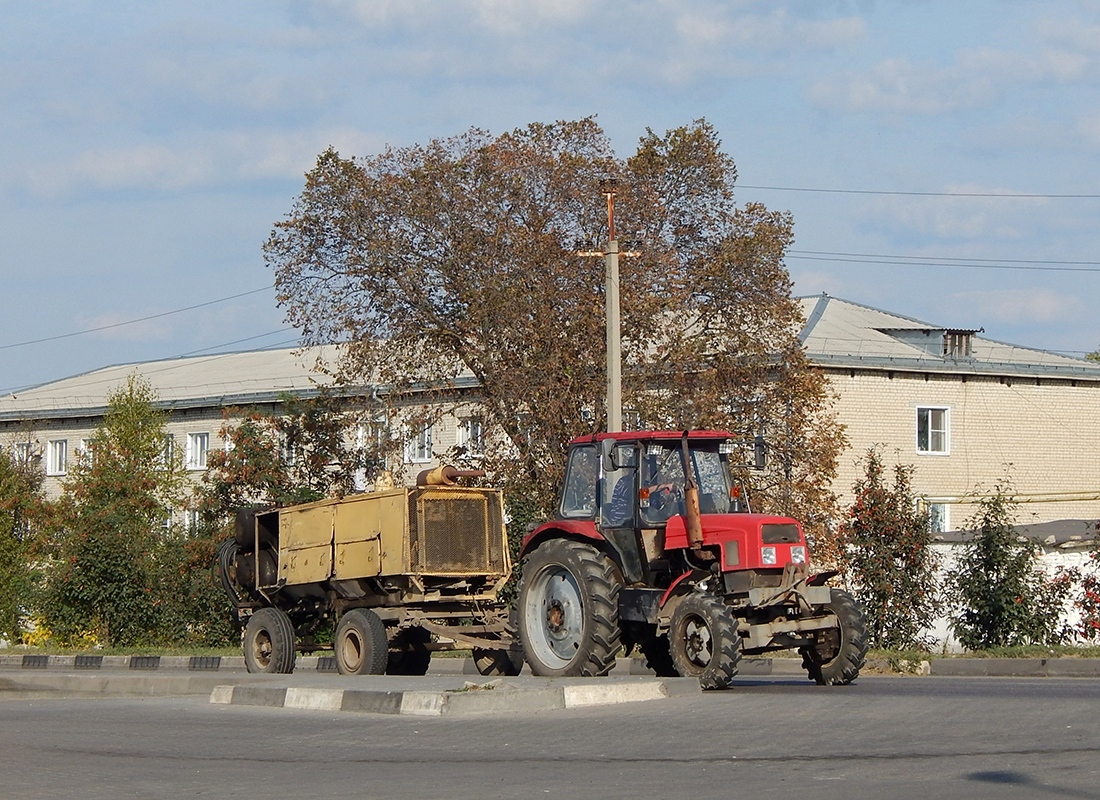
{"x":798,"y":554}
{"x":767,"y":555}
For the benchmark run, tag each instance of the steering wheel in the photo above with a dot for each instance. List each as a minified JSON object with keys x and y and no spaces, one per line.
{"x":665,"y":494}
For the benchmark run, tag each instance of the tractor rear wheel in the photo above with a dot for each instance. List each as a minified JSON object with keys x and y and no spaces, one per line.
{"x":839,"y":653}
{"x":703,"y":641}
{"x":269,"y":642}
{"x":569,"y":610}
{"x":360,"y":644}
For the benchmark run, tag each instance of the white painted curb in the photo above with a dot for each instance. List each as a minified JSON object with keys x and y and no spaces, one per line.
{"x":591,"y":695}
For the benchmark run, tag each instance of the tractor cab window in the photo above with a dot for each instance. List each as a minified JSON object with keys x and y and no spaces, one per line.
{"x":662,"y":493}
{"x":578,"y":499}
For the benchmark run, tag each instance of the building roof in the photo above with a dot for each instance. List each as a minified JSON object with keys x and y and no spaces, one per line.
{"x":840,"y":333}
{"x":837,"y":333}
{"x":225,"y":379}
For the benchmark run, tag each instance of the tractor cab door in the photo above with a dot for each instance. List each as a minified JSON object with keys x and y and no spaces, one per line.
{"x":618,"y":517}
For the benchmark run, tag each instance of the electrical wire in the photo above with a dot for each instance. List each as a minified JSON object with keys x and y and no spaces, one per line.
{"x":999,"y":195}
{"x":936,"y":261}
{"x":133,"y":321}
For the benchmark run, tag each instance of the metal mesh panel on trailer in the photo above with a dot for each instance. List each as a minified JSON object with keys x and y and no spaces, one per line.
{"x":455,"y":531}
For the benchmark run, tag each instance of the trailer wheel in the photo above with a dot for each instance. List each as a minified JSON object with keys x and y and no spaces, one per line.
{"x":360,"y":644}
{"x":569,"y":610}
{"x":409,"y":654}
{"x":839,"y":653}
{"x":498,"y":663}
{"x":269,"y":642}
{"x":703,"y":641}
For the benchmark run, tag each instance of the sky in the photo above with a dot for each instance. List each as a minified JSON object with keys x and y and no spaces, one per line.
{"x":941,"y":159}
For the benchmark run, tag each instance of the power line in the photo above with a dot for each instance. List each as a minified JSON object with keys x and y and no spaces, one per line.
{"x":237,"y":341}
{"x":133,"y":321}
{"x":1000,"y":195}
{"x":935,"y":261}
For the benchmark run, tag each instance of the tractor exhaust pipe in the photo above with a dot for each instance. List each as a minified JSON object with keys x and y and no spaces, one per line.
{"x":692,"y":514}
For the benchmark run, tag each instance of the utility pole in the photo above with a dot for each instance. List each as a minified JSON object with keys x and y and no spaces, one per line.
{"x":610,"y":256}
{"x":614,"y":337}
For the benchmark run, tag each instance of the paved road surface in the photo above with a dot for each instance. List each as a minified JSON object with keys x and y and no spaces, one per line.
{"x":885,"y":737}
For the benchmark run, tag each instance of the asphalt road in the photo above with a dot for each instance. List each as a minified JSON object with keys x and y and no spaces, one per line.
{"x":884,"y":737}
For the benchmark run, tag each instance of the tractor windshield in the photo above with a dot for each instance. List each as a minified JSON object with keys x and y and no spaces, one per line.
{"x":662,"y":479}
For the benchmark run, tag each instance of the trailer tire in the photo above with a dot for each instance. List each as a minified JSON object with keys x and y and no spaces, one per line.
{"x":497,"y":663}
{"x":569,"y":610}
{"x":269,"y":642}
{"x":360,"y":644}
{"x":841,"y":652}
{"x":703,"y":641}
{"x":409,"y":654}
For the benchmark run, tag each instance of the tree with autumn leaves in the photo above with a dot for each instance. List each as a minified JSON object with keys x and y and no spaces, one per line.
{"x":458,"y":262}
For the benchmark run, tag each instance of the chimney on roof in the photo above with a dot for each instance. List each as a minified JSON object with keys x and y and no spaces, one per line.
{"x":958,"y":343}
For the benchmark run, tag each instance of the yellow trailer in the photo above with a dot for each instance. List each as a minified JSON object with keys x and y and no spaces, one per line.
{"x":403,"y":572}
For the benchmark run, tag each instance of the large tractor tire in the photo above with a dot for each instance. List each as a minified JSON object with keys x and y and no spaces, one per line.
{"x":360,"y":645}
{"x":569,"y":610}
{"x":703,"y":641}
{"x":269,"y":642}
{"x":840,"y":653}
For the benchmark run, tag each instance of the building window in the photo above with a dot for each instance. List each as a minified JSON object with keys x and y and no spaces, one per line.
{"x":933,"y":430}
{"x":939,"y":519}
{"x":198,"y":445}
{"x":419,"y":447}
{"x":471,"y":436}
{"x":23,"y":452}
{"x":57,"y":457}
{"x":168,"y":453}
{"x":288,"y":453}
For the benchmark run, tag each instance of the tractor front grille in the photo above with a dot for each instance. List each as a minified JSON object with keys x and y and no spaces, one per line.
{"x":456,"y":531}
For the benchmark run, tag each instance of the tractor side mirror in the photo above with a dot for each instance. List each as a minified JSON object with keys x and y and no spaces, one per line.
{"x":624,"y":456}
{"x":759,"y":452}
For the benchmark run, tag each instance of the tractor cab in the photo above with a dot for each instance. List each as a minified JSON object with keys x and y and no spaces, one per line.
{"x":627,"y":489}
{"x":638,"y":480}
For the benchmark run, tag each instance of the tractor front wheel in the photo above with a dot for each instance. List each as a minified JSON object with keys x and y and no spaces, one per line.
{"x":839,"y":653}
{"x":269,"y":642}
{"x":703,"y":641}
{"x":569,"y":610}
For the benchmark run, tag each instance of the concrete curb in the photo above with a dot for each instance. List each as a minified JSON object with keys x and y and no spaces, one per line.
{"x":493,"y":697}
{"x":1017,"y":667}
{"x":323,"y":664}
{"x":750,"y":667}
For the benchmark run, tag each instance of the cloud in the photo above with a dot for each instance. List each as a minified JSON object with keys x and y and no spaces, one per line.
{"x":1037,"y":305}
{"x":206,"y":160}
{"x":977,"y":78}
{"x":500,"y":16}
{"x":1003,"y":218}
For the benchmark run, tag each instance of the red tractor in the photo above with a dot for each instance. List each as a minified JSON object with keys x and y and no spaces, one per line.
{"x":654,"y":546}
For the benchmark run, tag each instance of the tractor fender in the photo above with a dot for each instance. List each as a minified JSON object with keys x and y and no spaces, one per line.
{"x":819,"y":578}
{"x":578,"y":530}
{"x":684,"y":585}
